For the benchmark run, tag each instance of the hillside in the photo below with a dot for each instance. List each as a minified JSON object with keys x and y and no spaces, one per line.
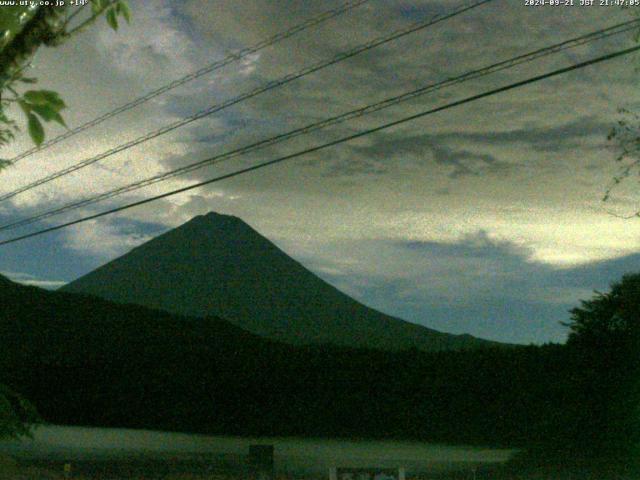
{"x":86,"y":361}
{"x":217,"y":265}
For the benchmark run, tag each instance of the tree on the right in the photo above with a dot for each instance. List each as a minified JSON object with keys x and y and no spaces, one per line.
{"x":604,"y":342}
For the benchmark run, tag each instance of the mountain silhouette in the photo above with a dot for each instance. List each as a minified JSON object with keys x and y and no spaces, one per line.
{"x":217,"y":265}
{"x":82,"y":360}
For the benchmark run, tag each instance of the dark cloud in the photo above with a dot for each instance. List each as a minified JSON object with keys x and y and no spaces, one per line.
{"x":479,"y":285}
{"x":553,"y":139}
{"x":464,"y":162}
{"x":418,"y":12}
{"x":418,"y":149}
{"x":354,"y":167}
{"x":513,"y":271}
{"x":483,"y":286}
{"x":442,"y":148}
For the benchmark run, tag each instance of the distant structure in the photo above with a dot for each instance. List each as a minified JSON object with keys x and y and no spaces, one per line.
{"x":369,"y":473}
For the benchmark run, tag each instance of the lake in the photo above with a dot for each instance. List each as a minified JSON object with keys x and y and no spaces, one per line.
{"x":58,"y":444}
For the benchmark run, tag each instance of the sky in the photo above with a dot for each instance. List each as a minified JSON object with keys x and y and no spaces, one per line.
{"x":484,"y":219}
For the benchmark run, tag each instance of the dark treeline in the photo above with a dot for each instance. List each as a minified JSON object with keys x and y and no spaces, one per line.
{"x":85,"y":361}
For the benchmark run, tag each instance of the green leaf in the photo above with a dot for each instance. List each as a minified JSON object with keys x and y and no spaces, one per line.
{"x":26,"y":108}
{"x":58,"y":119}
{"x":28,"y":80}
{"x":35,"y":97}
{"x":48,"y":114}
{"x":97,"y":6}
{"x":112,"y":18}
{"x":36,"y":132}
{"x":54,"y":100}
{"x":45,"y":97}
{"x":45,"y":111}
{"x":122,"y":7}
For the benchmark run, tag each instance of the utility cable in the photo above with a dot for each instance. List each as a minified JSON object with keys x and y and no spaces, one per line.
{"x":323,"y":146}
{"x":233,"y":57}
{"x":386,"y":103}
{"x":245,"y":96}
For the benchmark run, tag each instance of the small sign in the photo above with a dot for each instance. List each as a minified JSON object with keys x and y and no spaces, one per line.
{"x":369,"y":473}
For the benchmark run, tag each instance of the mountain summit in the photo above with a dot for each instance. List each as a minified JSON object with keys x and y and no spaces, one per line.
{"x":217,"y":265}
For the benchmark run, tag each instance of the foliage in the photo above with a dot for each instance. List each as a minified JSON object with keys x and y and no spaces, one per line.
{"x":37,"y":106}
{"x":625,"y":138}
{"x":611,"y":319}
{"x":605,"y":334}
{"x":86,"y":361}
{"x":17,"y":415}
{"x":22,"y":31}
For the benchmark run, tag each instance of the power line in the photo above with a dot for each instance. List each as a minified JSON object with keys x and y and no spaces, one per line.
{"x":245,"y":96}
{"x":385,"y":126}
{"x":231,"y":58}
{"x":493,"y":68}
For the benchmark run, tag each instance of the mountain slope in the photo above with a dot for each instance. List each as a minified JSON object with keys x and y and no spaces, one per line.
{"x":218,"y":265}
{"x":86,"y":361}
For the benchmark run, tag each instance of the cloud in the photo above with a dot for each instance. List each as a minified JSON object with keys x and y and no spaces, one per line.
{"x":106,"y":240}
{"x":527,"y":167}
{"x":28,"y":279}
{"x":154,"y":42}
{"x":459,"y":162}
{"x":479,"y":284}
{"x":578,"y":132}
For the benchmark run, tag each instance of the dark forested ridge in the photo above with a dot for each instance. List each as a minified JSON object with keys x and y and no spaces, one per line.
{"x":217,"y":265}
{"x":86,"y":361}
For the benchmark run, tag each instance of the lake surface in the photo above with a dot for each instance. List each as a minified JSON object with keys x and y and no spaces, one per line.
{"x":292,"y":455}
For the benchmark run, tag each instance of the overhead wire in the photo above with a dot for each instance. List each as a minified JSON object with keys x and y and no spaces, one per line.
{"x":245,"y":96}
{"x":341,"y":140}
{"x":231,"y":58}
{"x":597,"y":35}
